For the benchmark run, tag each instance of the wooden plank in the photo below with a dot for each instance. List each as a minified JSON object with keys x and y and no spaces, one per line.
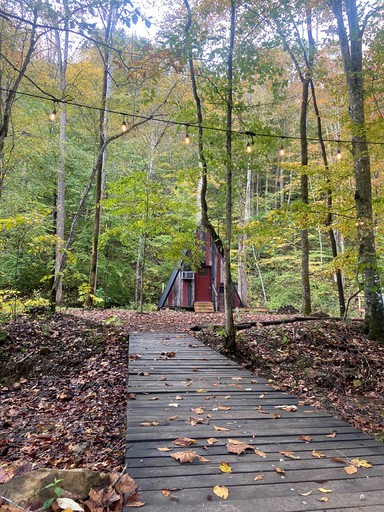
{"x":168,"y":388}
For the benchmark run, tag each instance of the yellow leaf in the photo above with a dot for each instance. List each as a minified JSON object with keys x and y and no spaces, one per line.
{"x":198,"y":410}
{"x":212,"y":440}
{"x":225,"y":467}
{"x":321,"y":489}
{"x":221,"y":429}
{"x":221,"y":491}
{"x":324,"y":498}
{"x":350,"y":470}
{"x":223,"y":408}
{"x":201,"y":390}
{"x":165,"y":449}
{"x":361,"y":463}
{"x":305,"y":493}
{"x":258,"y":477}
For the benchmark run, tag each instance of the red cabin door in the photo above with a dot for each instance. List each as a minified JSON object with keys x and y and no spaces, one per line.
{"x":203,"y":291}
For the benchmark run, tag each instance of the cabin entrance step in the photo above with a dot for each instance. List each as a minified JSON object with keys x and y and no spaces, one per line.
{"x":204,"y":307}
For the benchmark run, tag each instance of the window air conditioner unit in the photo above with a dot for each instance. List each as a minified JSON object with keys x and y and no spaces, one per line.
{"x":187,"y":275}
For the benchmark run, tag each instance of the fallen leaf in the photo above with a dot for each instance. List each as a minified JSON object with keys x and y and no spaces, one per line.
{"x":317,"y":454}
{"x":67,"y":503}
{"x":361,"y":463}
{"x":332,"y":435}
{"x":172,"y":418}
{"x":212,"y":440}
{"x":198,"y":410}
{"x":290,"y":454}
{"x":237,"y":378}
{"x":225,"y":467}
{"x":276,"y":416}
{"x":221,"y":429}
{"x":155,"y":398}
{"x":287,"y":408}
{"x":201,"y":390}
{"x":132,"y":396}
{"x":5,"y":475}
{"x":321,"y":489}
{"x":259,"y":453}
{"x":221,"y":491}
{"x":223,"y":408}
{"x":188,"y":456}
{"x":178,"y":397}
{"x":165,"y":449}
{"x":324,"y":498}
{"x":338,"y":459}
{"x":133,"y":501}
{"x":227,"y":397}
{"x":125,"y":485}
{"x":258,"y":477}
{"x":350,"y":470}
{"x":165,"y":492}
{"x":305,"y":493}
{"x":307,"y":439}
{"x":279,"y":470}
{"x":184,"y":441}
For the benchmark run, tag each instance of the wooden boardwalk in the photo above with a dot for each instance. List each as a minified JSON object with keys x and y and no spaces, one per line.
{"x":175,"y":374}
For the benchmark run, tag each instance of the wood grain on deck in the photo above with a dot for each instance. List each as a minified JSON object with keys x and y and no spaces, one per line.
{"x":166,"y":390}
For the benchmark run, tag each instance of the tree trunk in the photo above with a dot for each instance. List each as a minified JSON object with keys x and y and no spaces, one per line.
{"x":329,"y":220}
{"x":10,"y":95}
{"x":351,"y":45}
{"x":100,"y":171}
{"x":230,"y":338}
{"x":305,"y":284}
{"x":62,"y":58}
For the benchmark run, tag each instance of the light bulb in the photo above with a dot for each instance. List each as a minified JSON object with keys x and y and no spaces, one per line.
{"x":282,"y":151}
{"x":338,"y":155}
{"x":187,"y":140}
{"x":249,"y":147}
{"x":52,"y":116}
{"x":124,"y":127}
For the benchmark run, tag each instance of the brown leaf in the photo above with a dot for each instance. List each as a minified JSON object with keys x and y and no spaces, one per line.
{"x":221,"y":429}
{"x":350,"y":470}
{"x":317,"y":454}
{"x":290,"y":454}
{"x":164,"y":449}
{"x":198,"y":410}
{"x":258,"y":478}
{"x":332,"y":435}
{"x":184,"y":441}
{"x":276,"y":416}
{"x":260,"y":453}
{"x":279,"y":470}
{"x":125,"y":485}
{"x":165,"y":492}
{"x":223,"y":408}
{"x":134,"y":501}
{"x":178,"y":397}
{"x":307,"y":439}
{"x":212,"y":440}
{"x":338,"y":459}
{"x":188,"y":456}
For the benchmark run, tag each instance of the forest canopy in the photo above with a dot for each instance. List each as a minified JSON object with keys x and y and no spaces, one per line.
{"x":124,"y":125}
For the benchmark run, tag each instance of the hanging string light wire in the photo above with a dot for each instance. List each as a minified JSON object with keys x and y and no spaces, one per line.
{"x":180,"y":123}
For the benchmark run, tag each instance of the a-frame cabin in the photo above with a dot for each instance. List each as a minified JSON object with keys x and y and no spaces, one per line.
{"x":202,"y":290}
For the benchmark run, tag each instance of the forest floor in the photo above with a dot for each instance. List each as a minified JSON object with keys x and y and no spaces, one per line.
{"x":63,"y":379}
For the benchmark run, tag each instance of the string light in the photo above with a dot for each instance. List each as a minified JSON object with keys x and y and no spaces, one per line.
{"x":52,"y":115}
{"x":187,"y":139}
{"x":338,"y":154}
{"x":52,"y":118}
{"x":124,"y":127}
{"x":282,"y":150}
{"x":249,"y":143}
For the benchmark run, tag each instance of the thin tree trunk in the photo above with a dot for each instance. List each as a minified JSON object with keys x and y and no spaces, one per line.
{"x":230,"y":338}
{"x":329,"y":220}
{"x":11,"y":95}
{"x":100,"y":172}
{"x":60,"y":202}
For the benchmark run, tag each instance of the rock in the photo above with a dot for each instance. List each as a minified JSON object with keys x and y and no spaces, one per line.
{"x":29,"y":487}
